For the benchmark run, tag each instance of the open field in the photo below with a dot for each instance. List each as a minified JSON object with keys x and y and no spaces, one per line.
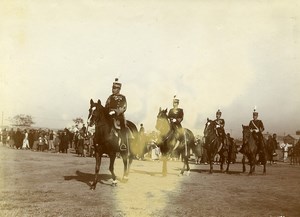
{"x":48,"y":184}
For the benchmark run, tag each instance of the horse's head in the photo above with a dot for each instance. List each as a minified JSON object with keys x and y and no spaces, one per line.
{"x":210,"y":128}
{"x":162,"y":121}
{"x":94,"y":112}
{"x":246,"y":134}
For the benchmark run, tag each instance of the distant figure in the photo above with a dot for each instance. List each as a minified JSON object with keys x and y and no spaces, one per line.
{"x":25,"y":140}
{"x":285,"y":149}
{"x":56,"y":142}
{"x":83,"y":129}
{"x":4,"y":137}
{"x":142,"y":129}
{"x":232,"y":150}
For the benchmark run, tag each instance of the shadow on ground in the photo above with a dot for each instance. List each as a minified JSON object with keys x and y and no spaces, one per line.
{"x":88,"y":178}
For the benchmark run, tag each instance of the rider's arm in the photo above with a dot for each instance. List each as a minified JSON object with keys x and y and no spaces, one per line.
{"x":123,"y":106}
{"x":262,"y":128}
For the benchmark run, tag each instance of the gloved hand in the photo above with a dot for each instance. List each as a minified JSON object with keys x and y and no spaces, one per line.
{"x":217,"y":126}
{"x":173,"y":120}
{"x":112,"y":113}
{"x":256,"y":130}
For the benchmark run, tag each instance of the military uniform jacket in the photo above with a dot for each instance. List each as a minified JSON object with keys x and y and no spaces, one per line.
{"x":220,"y":122}
{"x":256,"y":125}
{"x":176,"y":114}
{"x":117,"y":103}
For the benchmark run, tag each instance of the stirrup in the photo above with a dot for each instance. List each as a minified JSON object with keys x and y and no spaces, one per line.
{"x":123,"y":147}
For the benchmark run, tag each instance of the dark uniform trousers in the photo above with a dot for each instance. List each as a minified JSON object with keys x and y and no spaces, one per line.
{"x":117,"y":103}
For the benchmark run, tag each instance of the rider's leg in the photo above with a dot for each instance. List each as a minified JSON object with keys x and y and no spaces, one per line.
{"x":123,"y":145}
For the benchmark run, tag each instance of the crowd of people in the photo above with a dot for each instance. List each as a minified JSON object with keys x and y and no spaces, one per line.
{"x":48,"y":140}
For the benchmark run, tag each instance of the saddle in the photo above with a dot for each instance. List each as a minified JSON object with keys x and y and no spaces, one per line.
{"x":116,"y":131}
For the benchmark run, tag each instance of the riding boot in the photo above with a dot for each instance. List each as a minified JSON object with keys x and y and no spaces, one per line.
{"x":123,"y":146}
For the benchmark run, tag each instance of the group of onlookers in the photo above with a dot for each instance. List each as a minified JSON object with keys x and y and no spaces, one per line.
{"x":36,"y":139}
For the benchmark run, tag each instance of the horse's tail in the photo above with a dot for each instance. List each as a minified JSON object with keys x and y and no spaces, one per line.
{"x":190,"y":140}
{"x":134,"y":135}
{"x":189,"y":136}
{"x":132,"y":127}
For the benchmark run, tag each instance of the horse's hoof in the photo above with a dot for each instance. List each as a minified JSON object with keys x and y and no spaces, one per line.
{"x":188,"y":173}
{"x":180,"y":174}
{"x":114,"y":183}
{"x":125,"y":179}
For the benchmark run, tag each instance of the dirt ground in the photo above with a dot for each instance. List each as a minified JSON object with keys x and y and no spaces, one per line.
{"x":49,"y":184}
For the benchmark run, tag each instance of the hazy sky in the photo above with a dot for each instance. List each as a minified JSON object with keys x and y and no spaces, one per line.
{"x":233,"y":55}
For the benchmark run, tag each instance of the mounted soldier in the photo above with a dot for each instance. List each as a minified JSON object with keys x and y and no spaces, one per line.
{"x":257,"y":127}
{"x":117,"y":105}
{"x":220,"y":123}
{"x":175,"y":116}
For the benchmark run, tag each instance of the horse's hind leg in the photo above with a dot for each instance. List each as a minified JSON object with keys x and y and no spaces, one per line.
{"x":244,"y":163}
{"x":188,"y":170}
{"x":164,"y":169}
{"x":185,"y":164}
{"x":97,"y":169}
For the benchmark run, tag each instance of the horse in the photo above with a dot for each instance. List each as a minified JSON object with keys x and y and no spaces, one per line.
{"x":213,"y":146}
{"x":227,"y":153}
{"x":107,"y":140}
{"x":250,"y":151}
{"x":166,"y":142}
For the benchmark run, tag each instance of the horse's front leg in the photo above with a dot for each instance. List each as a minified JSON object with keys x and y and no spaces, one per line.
{"x":222,"y":160}
{"x":97,"y":169}
{"x":164,"y":168}
{"x":211,"y":160}
{"x":186,"y":162}
{"x":126,"y":166}
{"x":228,"y":162}
{"x":112,"y":158}
{"x":244,"y":163}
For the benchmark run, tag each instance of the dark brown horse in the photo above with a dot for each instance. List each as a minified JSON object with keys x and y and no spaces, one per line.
{"x":250,"y":151}
{"x":227,"y":153}
{"x":106,"y":140}
{"x":213,"y":146}
{"x":167,"y":141}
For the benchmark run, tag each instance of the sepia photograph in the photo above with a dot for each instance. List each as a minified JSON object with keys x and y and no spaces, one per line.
{"x":149,"y":108}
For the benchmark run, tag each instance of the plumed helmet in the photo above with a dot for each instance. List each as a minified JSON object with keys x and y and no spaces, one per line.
{"x":255,"y":111}
{"x":218,"y":112}
{"x":175,"y":99}
{"x":116,"y":84}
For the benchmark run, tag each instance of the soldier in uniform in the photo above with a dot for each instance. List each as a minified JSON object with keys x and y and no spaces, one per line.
{"x":175,"y":116}
{"x":117,"y":105}
{"x":220,"y":123}
{"x":257,"y":127}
